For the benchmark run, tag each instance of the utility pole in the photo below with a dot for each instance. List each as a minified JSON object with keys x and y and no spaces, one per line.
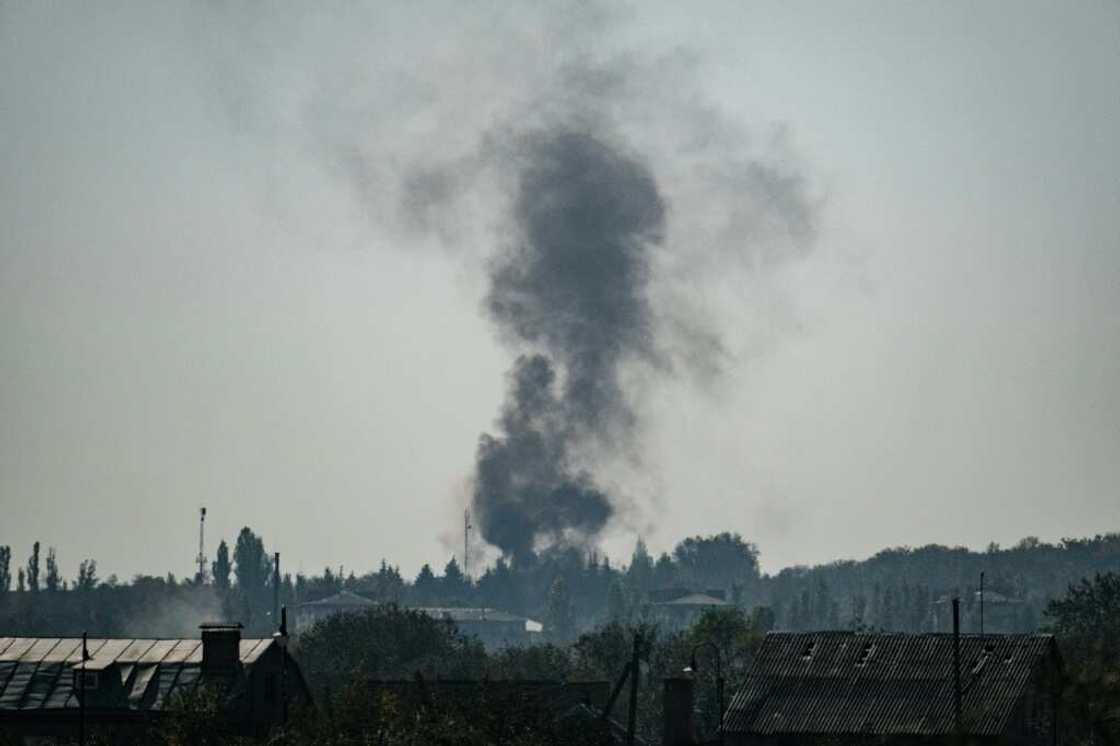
{"x":82,"y":694}
{"x":276,"y":588}
{"x":693,"y":668}
{"x":281,"y":638}
{"x":635,"y":673}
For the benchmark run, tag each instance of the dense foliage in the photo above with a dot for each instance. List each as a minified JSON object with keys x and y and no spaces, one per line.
{"x":573,"y":590}
{"x":1087,"y":624}
{"x":340,"y":654}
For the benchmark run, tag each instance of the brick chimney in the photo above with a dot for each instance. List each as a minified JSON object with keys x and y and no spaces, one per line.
{"x":678,"y":725}
{"x":221,"y":648}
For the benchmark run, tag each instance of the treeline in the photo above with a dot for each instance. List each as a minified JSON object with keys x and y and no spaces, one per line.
{"x":909,"y":589}
{"x":574,"y":590}
{"x":569,"y":589}
{"x":341,"y":653}
{"x":44,"y":603}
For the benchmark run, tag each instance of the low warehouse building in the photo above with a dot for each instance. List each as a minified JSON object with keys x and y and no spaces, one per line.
{"x":126,"y":684}
{"x":344,"y":602}
{"x":494,"y":629}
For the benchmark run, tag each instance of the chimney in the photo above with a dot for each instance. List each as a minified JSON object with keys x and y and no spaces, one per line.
{"x":678,"y":726}
{"x":221,"y":648}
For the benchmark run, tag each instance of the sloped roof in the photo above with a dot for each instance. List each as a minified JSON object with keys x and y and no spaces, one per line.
{"x":887,"y":684}
{"x":342,"y":598}
{"x":991,"y":598}
{"x":694,"y":599}
{"x":35,"y":672}
{"x":465,"y":614}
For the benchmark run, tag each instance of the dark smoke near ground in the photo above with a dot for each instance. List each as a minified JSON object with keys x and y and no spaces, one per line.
{"x":571,"y":287}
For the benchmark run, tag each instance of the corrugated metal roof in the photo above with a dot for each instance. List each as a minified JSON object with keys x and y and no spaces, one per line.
{"x":36,"y":672}
{"x":251,"y":650}
{"x":896,"y":684}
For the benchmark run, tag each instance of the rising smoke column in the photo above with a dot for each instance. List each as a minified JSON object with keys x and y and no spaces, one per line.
{"x":571,"y":289}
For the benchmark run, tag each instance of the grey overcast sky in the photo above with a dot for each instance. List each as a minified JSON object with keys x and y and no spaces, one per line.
{"x":244,"y":251}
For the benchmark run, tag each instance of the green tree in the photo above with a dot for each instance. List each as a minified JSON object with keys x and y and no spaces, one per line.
{"x":823,"y":607}
{"x":1087,"y":622}
{"x":640,"y":572}
{"x":33,"y":569}
{"x":196,"y":717}
{"x":560,"y":623}
{"x":730,"y":631}
{"x":385,"y":641}
{"x":21,"y":586}
{"x":87,"y":576}
{"x":425,"y":585}
{"x":5,"y":569}
{"x":386,"y":585}
{"x":604,"y":652}
{"x":619,"y":608}
{"x":251,"y":565}
{"x":252,"y":569}
{"x":454,"y":583}
{"x":889,"y":610}
{"x":53,"y":579}
{"x":497,"y":587}
{"x":664,"y":571}
{"x":718,"y":561}
{"x":532,"y":662}
{"x":221,"y":567}
{"x":762,"y":619}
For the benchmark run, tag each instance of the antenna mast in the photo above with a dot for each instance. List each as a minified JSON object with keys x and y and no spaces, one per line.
{"x":466,"y":543}
{"x":201,"y":558}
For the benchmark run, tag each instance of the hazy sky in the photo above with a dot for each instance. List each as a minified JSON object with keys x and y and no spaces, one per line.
{"x":244,"y":251}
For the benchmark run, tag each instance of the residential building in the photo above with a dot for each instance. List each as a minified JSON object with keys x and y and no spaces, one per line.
{"x":126,"y":684}
{"x":343,"y":602}
{"x":854,"y":688}
{"x":495,"y":629}
{"x":679,"y":608}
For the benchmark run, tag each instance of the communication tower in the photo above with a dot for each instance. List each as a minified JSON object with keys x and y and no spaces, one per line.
{"x":467,"y":543}
{"x":201,"y":558}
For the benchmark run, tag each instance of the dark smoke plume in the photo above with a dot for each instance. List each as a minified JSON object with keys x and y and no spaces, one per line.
{"x":571,"y":286}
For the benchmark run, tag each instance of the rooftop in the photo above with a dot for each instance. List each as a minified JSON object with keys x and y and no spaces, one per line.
{"x":470,"y":614}
{"x":887,"y":684}
{"x":341,"y":599}
{"x":694,"y":599}
{"x":35,"y":671}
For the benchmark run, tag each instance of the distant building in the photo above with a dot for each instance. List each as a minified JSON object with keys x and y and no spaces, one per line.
{"x":863,"y":688}
{"x":130,"y":683}
{"x":678,"y":608}
{"x":495,"y":629}
{"x":343,"y":602}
